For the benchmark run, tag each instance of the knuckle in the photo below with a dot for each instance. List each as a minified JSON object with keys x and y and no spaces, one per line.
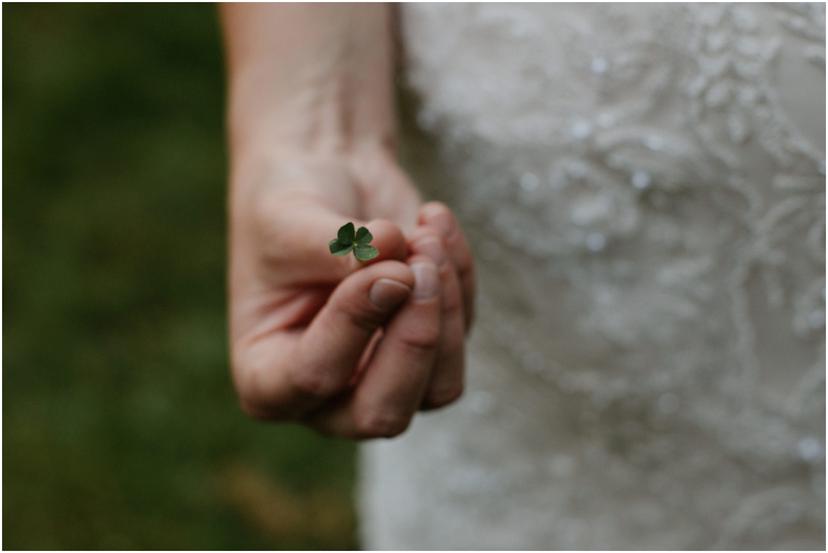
{"x":425,"y":340}
{"x":381,"y":424}
{"x":452,"y":302}
{"x":314,"y":383}
{"x":417,"y":348}
{"x":254,"y":402}
{"x":423,"y":233}
{"x":247,"y":386}
{"x":444,"y":396}
{"x":263,"y":385}
{"x":364,"y":317}
{"x":461,"y":255}
{"x":358,"y":311}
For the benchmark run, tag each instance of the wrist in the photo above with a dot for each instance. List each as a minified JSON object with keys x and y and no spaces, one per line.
{"x":329,"y":119}
{"x":296,"y":163}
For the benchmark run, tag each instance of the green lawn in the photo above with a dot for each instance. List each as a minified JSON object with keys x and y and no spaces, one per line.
{"x":120,"y":427}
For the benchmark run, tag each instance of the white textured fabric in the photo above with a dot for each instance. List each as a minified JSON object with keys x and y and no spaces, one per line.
{"x":644,"y":188}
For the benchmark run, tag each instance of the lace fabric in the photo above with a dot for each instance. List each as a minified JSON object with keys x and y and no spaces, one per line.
{"x":644,"y":188}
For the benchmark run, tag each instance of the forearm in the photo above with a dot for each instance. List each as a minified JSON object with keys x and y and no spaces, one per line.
{"x":310,"y":77}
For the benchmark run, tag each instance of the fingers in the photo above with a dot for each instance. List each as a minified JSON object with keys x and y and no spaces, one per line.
{"x":446,"y":383}
{"x":439,"y":217}
{"x":296,"y":232}
{"x":288,"y":374}
{"x":331,"y":347}
{"x":392,"y":388}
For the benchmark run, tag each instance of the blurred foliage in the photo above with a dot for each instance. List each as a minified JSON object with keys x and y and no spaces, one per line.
{"x":120,"y":427}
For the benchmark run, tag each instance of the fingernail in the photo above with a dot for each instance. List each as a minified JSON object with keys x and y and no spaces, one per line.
{"x":432,"y":248}
{"x":426,"y":280}
{"x":387,"y":294}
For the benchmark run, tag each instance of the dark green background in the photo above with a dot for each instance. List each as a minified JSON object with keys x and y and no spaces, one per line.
{"x":120,"y":425}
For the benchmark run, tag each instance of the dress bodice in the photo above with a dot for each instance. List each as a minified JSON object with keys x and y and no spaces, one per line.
{"x":644,"y":189}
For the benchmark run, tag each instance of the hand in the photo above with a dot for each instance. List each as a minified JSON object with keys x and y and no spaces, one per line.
{"x":349,"y":349}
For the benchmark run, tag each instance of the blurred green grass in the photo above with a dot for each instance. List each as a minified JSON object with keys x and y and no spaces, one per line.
{"x":120,"y":428}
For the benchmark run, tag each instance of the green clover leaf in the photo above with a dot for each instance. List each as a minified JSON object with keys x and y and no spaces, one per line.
{"x":345,"y":235}
{"x":359,"y":242}
{"x":364,"y":252}
{"x":339,"y":249}
{"x":363,"y":236}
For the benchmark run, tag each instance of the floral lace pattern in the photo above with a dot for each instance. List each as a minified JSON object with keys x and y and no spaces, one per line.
{"x":645,"y":188}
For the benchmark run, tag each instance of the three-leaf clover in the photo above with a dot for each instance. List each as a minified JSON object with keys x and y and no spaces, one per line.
{"x":359,"y":241}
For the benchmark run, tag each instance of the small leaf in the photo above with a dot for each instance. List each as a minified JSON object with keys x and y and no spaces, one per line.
{"x":338,"y":248}
{"x":345,"y":235}
{"x":363,"y":236}
{"x":364,"y":252}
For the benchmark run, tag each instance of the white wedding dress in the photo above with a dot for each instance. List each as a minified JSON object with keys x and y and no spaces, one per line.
{"x":644,"y":189}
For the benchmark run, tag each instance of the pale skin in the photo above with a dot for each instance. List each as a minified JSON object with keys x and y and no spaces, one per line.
{"x":350,"y":349}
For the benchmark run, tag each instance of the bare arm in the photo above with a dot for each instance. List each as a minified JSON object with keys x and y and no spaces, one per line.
{"x":311,"y":76}
{"x":350,"y":349}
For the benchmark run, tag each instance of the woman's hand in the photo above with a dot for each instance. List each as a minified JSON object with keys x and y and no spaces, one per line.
{"x":350,"y":349}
